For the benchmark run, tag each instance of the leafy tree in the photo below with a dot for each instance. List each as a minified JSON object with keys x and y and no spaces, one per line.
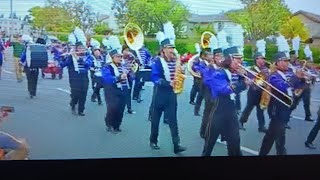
{"x":82,"y":14}
{"x":100,"y":28}
{"x":150,"y":15}
{"x":261,"y":18}
{"x":121,"y":10}
{"x":52,"y":19}
{"x":294,"y":27}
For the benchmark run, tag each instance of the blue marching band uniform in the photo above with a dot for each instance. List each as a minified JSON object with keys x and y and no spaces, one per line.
{"x":279,"y":113}
{"x":164,"y":98}
{"x":78,"y":67}
{"x":97,"y":65}
{"x":224,"y":91}
{"x":200,"y":63}
{"x":254,"y":96}
{"x":128,"y":60}
{"x":116,"y":89}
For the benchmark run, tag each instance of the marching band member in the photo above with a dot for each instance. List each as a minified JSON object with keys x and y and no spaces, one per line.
{"x":200,"y":63}
{"x":128,"y":60}
{"x":164,"y":99}
{"x":78,"y":64}
{"x":115,"y":82}
{"x":165,"y":116}
{"x":313,"y":133}
{"x":2,"y":48}
{"x":278,"y":112}
{"x":254,"y":94}
{"x":98,"y":63}
{"x":146,"y":63}
{"x":31,"y":73}
{"x":306,"y":92}
{"x":209,"y":101}
{"x":224,"y":90}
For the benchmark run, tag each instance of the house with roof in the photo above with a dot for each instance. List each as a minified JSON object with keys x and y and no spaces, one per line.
{"x":214,"y":22}
{"x":312,"y":22}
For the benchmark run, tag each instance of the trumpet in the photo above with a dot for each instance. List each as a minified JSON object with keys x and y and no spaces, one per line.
{"x":258,"y":81}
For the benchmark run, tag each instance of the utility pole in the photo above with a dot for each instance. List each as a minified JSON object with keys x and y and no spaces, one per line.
{"x":11,"y":15}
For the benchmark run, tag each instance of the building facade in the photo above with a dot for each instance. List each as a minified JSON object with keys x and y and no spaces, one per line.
{"x":14,"y":26}
{"x":312,"y":22}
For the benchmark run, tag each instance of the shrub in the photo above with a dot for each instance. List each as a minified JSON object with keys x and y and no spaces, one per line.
{"x":187,"y":45}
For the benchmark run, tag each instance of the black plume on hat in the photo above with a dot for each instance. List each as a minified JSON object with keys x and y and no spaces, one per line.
{"x":292,"y":52}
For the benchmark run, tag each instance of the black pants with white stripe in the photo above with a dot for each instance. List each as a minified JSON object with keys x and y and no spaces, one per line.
{"x":224,"y":124}
{"x":164,"y":100}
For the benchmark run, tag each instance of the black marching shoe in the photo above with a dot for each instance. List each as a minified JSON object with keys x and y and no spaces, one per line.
{"x":93,"y":99}
{"x":131,"y":111}
{"x":263,"y":130}
{"x":192,"y":103}
{"x":81,"y":114}
{"x":241,"y":126}
{"x":154,"y":146}
{"x":109,"y":129}
{"x":179,"y":149}
{"x":287,"y":126}
{"x":99,"y":102}
{"x":309,"y":145}
{"x":308,"y":118}
{"x":197,"y":114}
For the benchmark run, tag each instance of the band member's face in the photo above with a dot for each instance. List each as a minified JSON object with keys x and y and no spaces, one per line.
{"x":126,"y":51}
{"x":169,"y":53}
{"x":283,"y":65}
{"x":97,"y":53}
{"x":238,"y":59}
{"x":260,"y":62}
{"x":209,"y":57}
{"x":117,"y":59}
{"x":235,"y":64}
{"x":81,"y":49}
{"x":218,"y":58}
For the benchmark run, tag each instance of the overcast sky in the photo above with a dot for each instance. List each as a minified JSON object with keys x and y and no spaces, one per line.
{"x":196,"y":6}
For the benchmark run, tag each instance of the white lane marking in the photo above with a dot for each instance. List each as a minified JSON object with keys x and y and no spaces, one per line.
{"x":296,"y":117}
{"x":64,"y":90}
{"x":242,"y":148}
{"x":9,"y":72}
{"x":315,"y":100}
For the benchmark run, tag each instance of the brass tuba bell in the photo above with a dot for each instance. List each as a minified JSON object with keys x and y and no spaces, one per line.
{"x":134,"y":38}
{"x":205,"y":39}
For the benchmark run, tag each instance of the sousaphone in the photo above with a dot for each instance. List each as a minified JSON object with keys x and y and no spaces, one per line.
{"x":134,"y":38}
{"x":205,"y":43}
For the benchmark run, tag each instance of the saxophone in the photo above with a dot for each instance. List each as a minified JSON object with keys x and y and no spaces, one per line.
{"x":179,"y":75}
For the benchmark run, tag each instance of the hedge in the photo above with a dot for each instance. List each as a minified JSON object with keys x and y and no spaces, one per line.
{"x":187,"y":45}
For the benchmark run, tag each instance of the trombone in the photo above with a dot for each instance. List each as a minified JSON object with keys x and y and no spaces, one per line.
{"x":244,"y":69}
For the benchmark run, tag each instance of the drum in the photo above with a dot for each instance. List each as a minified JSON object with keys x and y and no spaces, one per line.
{"x":38,"y":56}
{"x":145,"y":74}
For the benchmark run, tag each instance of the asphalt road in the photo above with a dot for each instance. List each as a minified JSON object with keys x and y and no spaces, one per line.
{"x":53,"y":132}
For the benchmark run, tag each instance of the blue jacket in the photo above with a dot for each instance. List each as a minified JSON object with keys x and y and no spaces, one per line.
{"x":84,"y":63}
{"x":157,"y":74}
